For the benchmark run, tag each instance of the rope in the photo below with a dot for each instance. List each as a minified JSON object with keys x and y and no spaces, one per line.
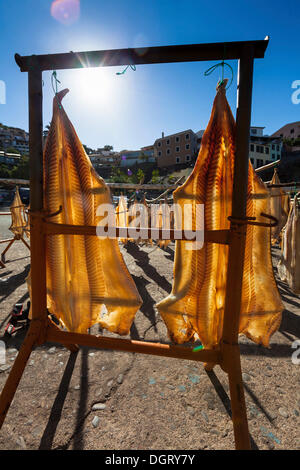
{"x":133,"y":67}
{"x":221,"y":64}
{"x":54,"y":87}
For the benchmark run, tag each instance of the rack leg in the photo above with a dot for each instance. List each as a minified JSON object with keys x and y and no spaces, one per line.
{"x":25,"y":243}
{"x":238,"y":404}
{"x":6,"y":249}
{"x":16,"y":372}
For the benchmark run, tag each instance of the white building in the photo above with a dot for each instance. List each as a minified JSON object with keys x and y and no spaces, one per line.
{"x":263,"y":149}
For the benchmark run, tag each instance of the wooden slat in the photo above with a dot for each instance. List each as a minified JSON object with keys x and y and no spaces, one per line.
{"x":144,"y":55}
{"x":119,"y":344}
{"x":213,"y":236}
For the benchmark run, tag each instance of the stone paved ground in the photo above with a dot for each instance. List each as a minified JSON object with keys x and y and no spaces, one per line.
{"x":99,"y":399}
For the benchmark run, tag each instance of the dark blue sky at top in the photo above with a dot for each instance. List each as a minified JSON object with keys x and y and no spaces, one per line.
{"x":131,"y":110}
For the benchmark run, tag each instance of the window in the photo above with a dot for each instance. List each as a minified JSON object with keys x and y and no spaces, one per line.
{"x":188,"y":158}
{"x":168,"y":141}
{"x":277,"y":147}
{"x":254,"y":131}
{"x":177,"y":139}
{"x":159,"y":153}
{"x":177,"y":159}
{"x":158,"y":144}
{"x":273,"y":156}
{"x":187,"y":146}
{"x":259,"y":162}
{"x":168,"y":151}
{"x":177,"y":149}
{"x":292,"y":131}
{"x":252,"y":148}
{"x":187,"y":136}
{"x":267,"y":150}
{"x":252,"y":160}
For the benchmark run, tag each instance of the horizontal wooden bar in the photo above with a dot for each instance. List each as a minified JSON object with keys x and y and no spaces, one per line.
{"x":141,"y":186}
{"x":141,"y":55}
{"x":7,"y":240}
{"x":267,"y":167}
{"x":5,"y":213}
{"x":213,"y":236}
{"x":119,"y":344}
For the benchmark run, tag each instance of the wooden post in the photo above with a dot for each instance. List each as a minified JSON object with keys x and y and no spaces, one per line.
{"x":229,"y":346}
{"x":37,"y":329}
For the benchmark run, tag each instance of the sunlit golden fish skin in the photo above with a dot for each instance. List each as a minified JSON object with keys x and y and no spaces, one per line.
{"x":195,"y":307}
{"x":87,"y":280}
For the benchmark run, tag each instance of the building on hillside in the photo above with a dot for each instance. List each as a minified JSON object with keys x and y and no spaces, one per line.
{"x":130,"y":158}
{"x":263,"y":149}
{"x":10,"y":159}
{"x":104,"y":158}
{"x":290,"y":131}
{"x":15,"y":138}
{"x":174,"y":149}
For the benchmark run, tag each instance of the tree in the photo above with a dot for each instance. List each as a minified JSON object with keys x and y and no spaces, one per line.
{"x":11,"y":150}
{"x":108,"y":147}
{"x":140,"y":176}
{"x":155,"y":176}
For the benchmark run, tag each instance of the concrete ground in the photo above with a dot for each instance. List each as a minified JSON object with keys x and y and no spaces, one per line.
{"x":97,"y":399}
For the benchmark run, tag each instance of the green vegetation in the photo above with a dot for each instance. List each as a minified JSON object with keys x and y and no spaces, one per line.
{"x":18,"y":172}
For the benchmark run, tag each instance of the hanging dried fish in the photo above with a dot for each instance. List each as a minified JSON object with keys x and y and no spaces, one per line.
{"x":18,"y":217}
{"x":195,"y":307}
{"x":164,"y":221}
{"x":122,"y":216}
{"x":87,"y":280}
{"x":279,"y":207}
{"x":289,"y":263}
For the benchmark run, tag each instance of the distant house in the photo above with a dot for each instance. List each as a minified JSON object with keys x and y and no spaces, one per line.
{"x":176,"y":148}
{"x":289,"y":131}
{"x":130,"y":158}
{"x":263,"y":149}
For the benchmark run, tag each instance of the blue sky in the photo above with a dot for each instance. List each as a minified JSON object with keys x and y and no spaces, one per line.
{"x":131,"y":110}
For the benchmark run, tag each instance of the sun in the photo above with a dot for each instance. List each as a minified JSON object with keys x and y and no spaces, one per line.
{"x":94,"y":86}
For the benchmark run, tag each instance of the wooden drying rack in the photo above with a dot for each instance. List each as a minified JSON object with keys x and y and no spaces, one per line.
{"x":41,"y":329}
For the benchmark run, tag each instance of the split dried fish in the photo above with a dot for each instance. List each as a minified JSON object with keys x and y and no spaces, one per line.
{"x":195,"y":307}
{"x":87,"y":279}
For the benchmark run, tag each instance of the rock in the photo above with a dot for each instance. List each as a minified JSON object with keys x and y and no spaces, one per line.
{"x":110,"y":383}
{"x":120,"y":378}
{"x":98,"y":406}
{"x":296,"y":413}
{"x":77,"y":387}
{"x":5,"y":367}
{"x":98,"y":392}
{"x":92,"y":354}
{"x":21,"y":443}
{"x":181,"y":388}
{"x":190,"y":410}
{"x":171,"y":387}
{"x":61,"y":363}
{"x":15,"y":351}
{"x":283,"y":412}
{"x":246,"y":377}
{"x":96,"y":421}
{"x":103,"y":368}
{"x":204,"y":415}
{"x":52,"y":350}
{"x":152,"y":381}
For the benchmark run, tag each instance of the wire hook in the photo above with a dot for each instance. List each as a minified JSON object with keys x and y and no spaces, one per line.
{"x":133,"y":67}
